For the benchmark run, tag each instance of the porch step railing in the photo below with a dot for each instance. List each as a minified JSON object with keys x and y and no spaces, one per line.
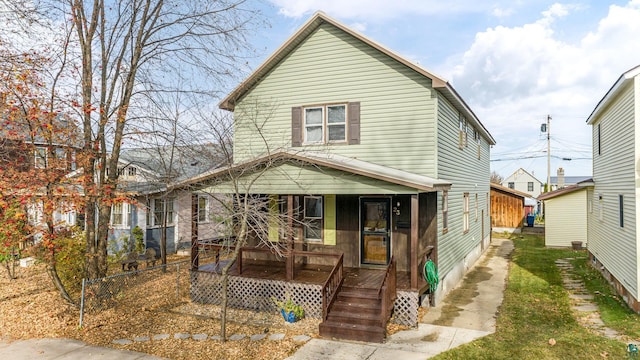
{"x":332,"y":286}
{"x":387,"y":292}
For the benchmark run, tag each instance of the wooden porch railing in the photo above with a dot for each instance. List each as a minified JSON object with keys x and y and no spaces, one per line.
{"x":388,"y":292}
{"x":332,"y":286}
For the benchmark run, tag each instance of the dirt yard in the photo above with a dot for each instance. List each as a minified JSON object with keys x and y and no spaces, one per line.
{"x":30,"y":308}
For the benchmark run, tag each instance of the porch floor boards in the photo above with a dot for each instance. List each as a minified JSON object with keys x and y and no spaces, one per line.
{"x":311,"y":273}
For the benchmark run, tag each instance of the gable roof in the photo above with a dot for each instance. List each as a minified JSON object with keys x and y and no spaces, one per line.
{"x":566,"y":190}
{"x":329,"y":160}
{"x":612,"y":93}
{"x":526,"y":172}
{"x":320,"y":18}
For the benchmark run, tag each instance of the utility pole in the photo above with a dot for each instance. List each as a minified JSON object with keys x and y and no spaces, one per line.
{"x":548,"y":152}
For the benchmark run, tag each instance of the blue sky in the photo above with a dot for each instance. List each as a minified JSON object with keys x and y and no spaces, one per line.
{"x":513,"y":61}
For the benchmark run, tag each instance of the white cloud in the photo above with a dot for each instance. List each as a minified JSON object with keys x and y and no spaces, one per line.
{"x":378,"y":9}
{"x":513,"y":76}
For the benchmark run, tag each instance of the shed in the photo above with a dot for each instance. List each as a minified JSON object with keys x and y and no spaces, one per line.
{"x":566,"y":215}
{"x":507,"y":208}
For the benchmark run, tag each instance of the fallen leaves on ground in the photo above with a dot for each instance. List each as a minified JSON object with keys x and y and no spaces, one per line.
{"x":30,"y":308}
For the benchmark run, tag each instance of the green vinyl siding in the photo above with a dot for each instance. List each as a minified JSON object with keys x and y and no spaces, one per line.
{"x":296,"y":180}
{"x":329,"y":220}
{"x":468,"y":174}
{"x":397,"y":104}
{"x":614,"y":173}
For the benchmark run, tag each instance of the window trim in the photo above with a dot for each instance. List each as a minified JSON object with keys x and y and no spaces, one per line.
{"x":465,"y":212}
{"x":40,"y":157}
{"x":320,"y":219}
{"x":124,"y":214}
{"x":325,"y":125}
{"x":151,"y":212}
{"x":201,"y":219}
{"x":530,"y":186}
{"x":476,"y":207}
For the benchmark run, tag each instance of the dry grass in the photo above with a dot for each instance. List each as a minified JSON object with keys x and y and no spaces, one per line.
{"x":31,"y":308}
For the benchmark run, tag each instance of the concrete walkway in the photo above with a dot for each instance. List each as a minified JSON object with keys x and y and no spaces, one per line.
{"x":467,"y":313}
{"x":50,"y":349}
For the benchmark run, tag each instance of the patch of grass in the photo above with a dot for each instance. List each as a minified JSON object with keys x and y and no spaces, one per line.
{"x":535,"y":309}
{"x":615,"y":313}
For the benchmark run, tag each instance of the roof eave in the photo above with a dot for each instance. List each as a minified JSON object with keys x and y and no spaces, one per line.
{"x":612,"y":93}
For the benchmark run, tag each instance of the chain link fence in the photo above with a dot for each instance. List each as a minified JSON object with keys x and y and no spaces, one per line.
{"x":159,"y":285}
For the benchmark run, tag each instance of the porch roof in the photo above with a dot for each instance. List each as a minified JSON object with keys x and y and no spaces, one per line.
{"x":322,"y":159}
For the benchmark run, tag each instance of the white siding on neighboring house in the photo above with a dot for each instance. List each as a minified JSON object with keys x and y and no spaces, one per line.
{"x":522,"y":181}
{"x":566,"y":219}
{"x":615,"y":173}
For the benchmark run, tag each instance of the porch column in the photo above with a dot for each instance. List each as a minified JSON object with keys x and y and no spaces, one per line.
{"x":290,"y":260}
{"x":414,"y":241}
{"x":195,"y":261}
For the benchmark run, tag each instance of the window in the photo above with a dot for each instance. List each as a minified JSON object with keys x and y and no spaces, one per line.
{"x":156,"y":210}
{"x":131,"y":171}
{"x":324,"y":124}
{"x":463,"y":132}
{"x":530,"y":186}
{"x":120,"y":215}
{"x":61,"y":158}
{"x":116,"y":214}
{"x":621,"y":209}
{"x":312,"y":218}
{"x":445,"y":211}
{"x":40,"y":157}
{"x":203,"y":209}
{"x":465,"y":212}
{"x":511,"y":185}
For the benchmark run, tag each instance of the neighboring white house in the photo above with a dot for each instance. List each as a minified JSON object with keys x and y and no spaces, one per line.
{"x":566,"y":215}
{"x":521,"y":180}
{"x":613,"y":238}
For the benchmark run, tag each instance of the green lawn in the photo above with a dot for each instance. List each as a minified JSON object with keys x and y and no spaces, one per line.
{"x":536,"y":308}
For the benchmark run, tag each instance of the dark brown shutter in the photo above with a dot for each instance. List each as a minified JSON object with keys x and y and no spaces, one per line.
{"x":354,"y":123}
{"x":296,"y":126}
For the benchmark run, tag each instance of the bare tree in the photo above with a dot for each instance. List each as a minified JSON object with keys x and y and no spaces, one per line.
{"x":495,"y":178}
{"x":130,"y":48}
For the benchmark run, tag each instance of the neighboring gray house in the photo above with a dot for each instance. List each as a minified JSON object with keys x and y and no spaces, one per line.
{"x":613,"y":204}
{"x":144,"y":175}
{"x":560,"y":181}
{"x":384,"y":157}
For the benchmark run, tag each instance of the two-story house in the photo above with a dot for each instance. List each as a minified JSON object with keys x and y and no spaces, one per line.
{"x":523,"y":181}
{"x":374,"y":157}
{"x":613,"y":201}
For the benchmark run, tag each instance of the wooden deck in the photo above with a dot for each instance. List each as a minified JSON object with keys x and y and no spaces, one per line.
{"x":311,"y":274}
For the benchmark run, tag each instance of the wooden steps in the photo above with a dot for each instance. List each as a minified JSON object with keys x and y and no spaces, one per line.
{"x":355,"y":315}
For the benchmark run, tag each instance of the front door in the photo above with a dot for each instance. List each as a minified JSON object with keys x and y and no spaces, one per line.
{"x":375,"y":230}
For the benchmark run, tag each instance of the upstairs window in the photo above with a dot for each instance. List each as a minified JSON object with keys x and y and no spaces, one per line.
{"x":326,"y":123}
{"x":530,"y":186}
{"x":40,"y":160}
{"x":511,"y":185}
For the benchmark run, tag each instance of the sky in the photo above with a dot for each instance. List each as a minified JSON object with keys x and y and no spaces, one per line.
{"x":515,"y":62}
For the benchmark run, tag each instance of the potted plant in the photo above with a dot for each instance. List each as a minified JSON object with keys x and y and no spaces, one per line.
{"x":291,"y":312}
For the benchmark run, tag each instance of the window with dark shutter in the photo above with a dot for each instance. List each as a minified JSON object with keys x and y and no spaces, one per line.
{"x":331,"y":123}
